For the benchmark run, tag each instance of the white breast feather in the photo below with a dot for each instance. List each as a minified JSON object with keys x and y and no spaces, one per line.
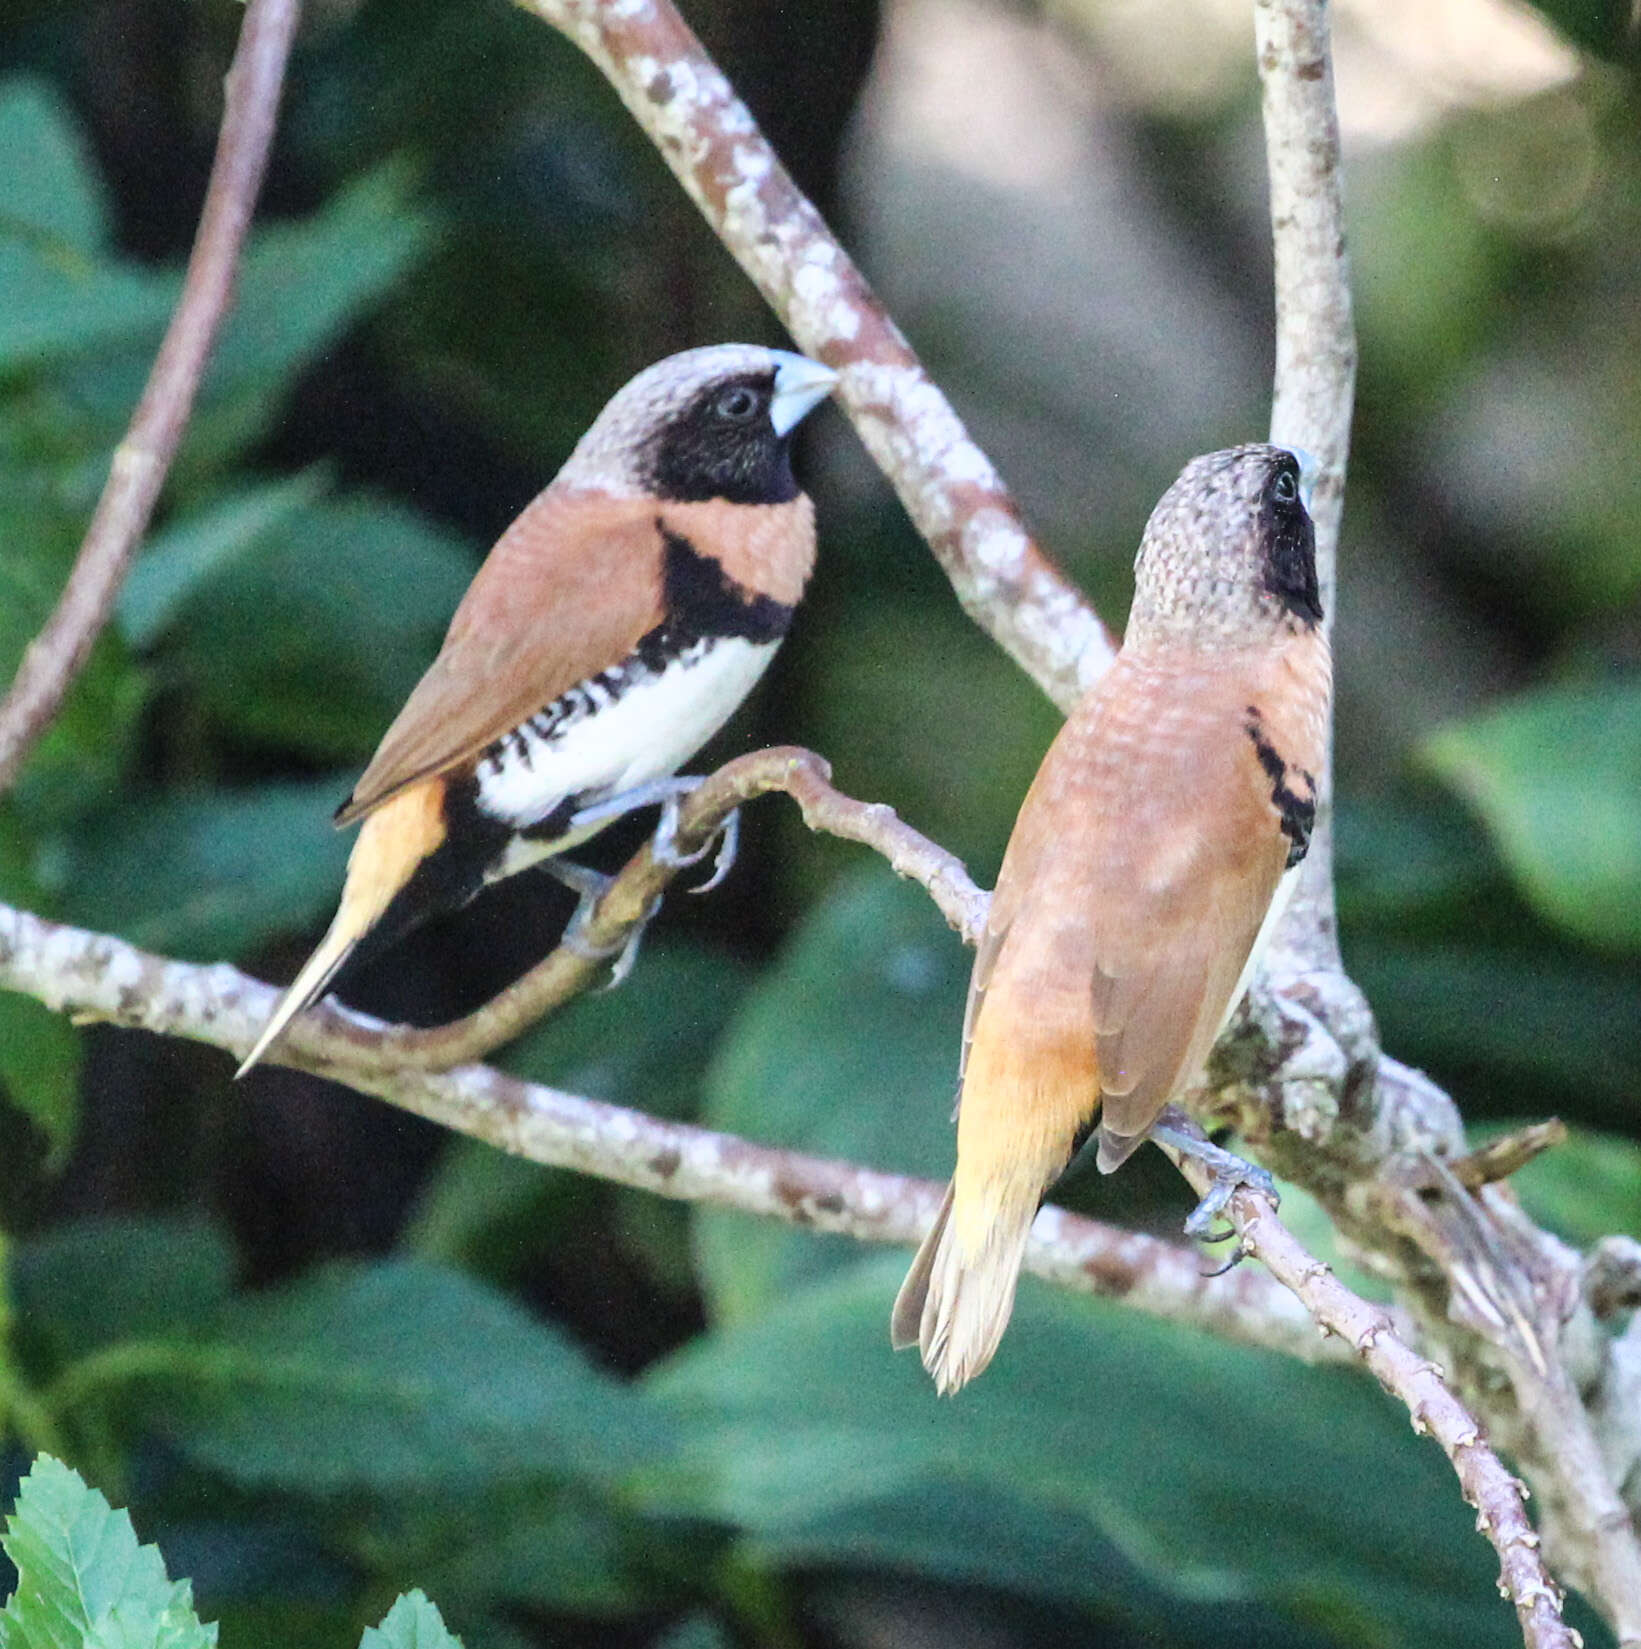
{"x":648,"y":731}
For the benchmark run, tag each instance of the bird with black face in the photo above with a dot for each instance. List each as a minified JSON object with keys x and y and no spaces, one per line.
{"x":613,"y":629}
{"x":1152,"y":857}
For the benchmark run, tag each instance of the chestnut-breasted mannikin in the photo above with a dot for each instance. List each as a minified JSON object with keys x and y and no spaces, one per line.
{"x":609,"y":634}
{"x":1152,"y":857}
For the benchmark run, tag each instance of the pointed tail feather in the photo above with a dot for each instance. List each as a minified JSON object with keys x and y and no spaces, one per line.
{"x":306,"y":989}
{"x":397,"y":838}
{"x":905,"y":1321}
{"x":955,"y":1305}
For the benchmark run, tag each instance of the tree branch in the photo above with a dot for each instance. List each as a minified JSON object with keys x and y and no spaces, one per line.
{"x":1501,"y":1299}
{"x":98,"y":976}
{"x":141,"y":461}
{"x":703,"y":131}
{"x":565,"y":973}
{"x":1315,"y":362}
{"x":90,"y":974}
{"x":1499,"y":1499}
{"x":1303,"y":1078}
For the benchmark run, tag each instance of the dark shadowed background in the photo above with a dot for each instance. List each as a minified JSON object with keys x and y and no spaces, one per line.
{"x":324,"y":1351}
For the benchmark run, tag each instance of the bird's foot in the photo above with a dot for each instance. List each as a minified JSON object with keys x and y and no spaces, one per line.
{"x":590,"y":886}
{"x":1228,"y":1174}
{"x":727,"y":839}
{"x":669,"y":793}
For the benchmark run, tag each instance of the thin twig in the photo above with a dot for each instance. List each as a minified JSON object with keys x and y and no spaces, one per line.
{"x":55,"y":657}
{"x":566,"y":972}
{"x":1499,"y":1498}
{"x":704,"y":132}
{"x":90,"y":974}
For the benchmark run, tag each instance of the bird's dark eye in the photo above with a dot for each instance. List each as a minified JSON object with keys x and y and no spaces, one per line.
{"x":737,"y":405}
{"x":1285,"y":488}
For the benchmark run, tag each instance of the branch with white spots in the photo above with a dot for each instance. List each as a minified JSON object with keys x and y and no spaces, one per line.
{"x":1506,"y":1307}
{"x":95,"y":976}
{"x":1498,"y":1498}
{"x":1315,"y":363}
{"x":98,"y":977}
{"x":56,"y":656}
{"x":950,"y":489}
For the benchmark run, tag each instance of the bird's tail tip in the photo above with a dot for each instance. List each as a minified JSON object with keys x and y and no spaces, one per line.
{"x":954,"y":1306}
{"x":303,"y":991}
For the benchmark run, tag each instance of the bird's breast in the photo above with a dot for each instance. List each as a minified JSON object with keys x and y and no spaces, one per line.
{"x":639,"y":720}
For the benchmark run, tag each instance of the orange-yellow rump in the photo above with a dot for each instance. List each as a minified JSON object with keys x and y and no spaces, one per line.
{"x":1146,"y":865}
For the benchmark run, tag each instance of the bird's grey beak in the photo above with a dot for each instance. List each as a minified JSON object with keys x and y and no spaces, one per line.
{"x":1310,"y":468}
{"x":800,"y":386}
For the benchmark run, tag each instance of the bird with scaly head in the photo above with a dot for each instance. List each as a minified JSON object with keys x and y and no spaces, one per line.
{"x":1153,"y":855}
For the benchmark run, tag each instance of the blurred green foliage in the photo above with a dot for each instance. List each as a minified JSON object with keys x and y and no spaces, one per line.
{"x":85,"y":1583}
{"x":327,"y":1356}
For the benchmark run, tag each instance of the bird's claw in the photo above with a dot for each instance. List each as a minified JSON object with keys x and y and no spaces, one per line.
{"x":1228,"y":1174}
{"x":1238,"y":1255}
{"x":726,"y":838}
{"x":590,"y":886}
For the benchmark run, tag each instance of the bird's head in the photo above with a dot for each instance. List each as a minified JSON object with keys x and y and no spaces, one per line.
{"x":1229,"y":554}
{"x":709,"y":423}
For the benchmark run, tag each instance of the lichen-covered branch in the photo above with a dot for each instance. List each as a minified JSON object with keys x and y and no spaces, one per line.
{"x":955,"y":497}
{"x":1315,"y":359}
{"x":55,"y":657}
{"x":1501,"y":1511}
{"x":1503,"y":1304}
{"x":94,"y":975}
{"x":97,"y":976}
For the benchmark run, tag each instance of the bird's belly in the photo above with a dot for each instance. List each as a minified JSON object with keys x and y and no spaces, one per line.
{"x":619,"y":729}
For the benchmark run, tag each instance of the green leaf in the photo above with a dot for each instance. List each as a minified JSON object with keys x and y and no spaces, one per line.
{"x":646,"y":1047}
{"x":565,"y":1552}
{"x":177,"y":560}
{"x":82,"y":1578}
{"x":695,"y":1632}
{"x":82,"y":757}
{"x":1556,"y":778}
{"x":53,"y":310}
{"x":209,"y":874}
{"x":1401,"y":859}
{"x":300,"y":287}
{"x":313,"y":637}
{"x":94,"y":1282}
{"x":969,"y":1534}
{"x":848,"y":1048}
{"x":412,"y":1623}
{"x":391,"y":1377}
{"x":40,"y":1070}
{"x":1221,"y":1471}
{"x":1606,"y":27}
{"x":55,"y":194}
{"x":1542,"y":1023}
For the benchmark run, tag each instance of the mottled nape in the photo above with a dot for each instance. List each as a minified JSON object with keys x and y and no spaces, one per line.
{"x":1229,"y":554}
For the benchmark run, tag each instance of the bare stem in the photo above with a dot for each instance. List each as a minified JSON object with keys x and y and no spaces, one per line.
{"x":141,"y":461}
{"x":1499,"y":1498}
{"x":1315,"y":360}
{"x":703,"y":131}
